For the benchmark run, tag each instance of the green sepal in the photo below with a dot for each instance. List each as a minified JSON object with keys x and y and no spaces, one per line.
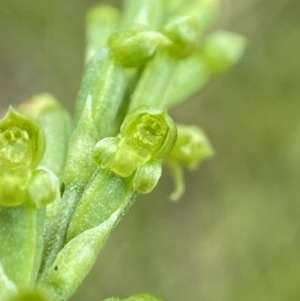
{"x":21,"y":236}
{"x":136,"y":45}
{"x":29,"y":295}
{"x":21,"y":142}
{"x":101,"y":21}
{"x":222,"y":49}
{"x":146,"y":176}
{"x":56,"y":124}
{"x":119,"y":155}
{"x":43,"y":187}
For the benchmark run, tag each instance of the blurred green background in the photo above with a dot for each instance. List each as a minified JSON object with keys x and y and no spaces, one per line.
{"x":235,"y":234}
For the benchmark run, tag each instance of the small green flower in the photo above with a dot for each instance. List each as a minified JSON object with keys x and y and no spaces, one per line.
{"x":146,"y":135}
{"x":22,"y":147}
{"x":21,"y":142}
{"x":151,"y":129}
{"x":191,"y":148}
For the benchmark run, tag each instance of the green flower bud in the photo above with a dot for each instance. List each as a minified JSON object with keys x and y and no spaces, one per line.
{"x":184,"y":28}
{"x":136,"y":45}
{"x":43,"y":187}
{"x":222,"y":49}
{"x":21,"y":142}
{"x":183,"y":31}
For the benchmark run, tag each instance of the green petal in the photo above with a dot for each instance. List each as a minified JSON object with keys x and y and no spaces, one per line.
{"x":146,"y":177}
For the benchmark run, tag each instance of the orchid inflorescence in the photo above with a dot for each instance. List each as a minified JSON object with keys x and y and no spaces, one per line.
{"x":65,"y":183}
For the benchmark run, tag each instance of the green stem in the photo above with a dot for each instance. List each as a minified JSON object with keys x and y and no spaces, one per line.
{"x":105,"y":193}
{"x":101,"y":21}
{"x":104,"y":202}
{"x":156,"y":83}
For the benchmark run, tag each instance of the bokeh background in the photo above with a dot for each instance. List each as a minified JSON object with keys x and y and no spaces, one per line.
{"x":235,"y":233}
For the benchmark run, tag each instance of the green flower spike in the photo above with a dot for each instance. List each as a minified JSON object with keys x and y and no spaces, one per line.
{"x":21,"y":142}
{"x":146,"y":135}
{"x":191,"y":148}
